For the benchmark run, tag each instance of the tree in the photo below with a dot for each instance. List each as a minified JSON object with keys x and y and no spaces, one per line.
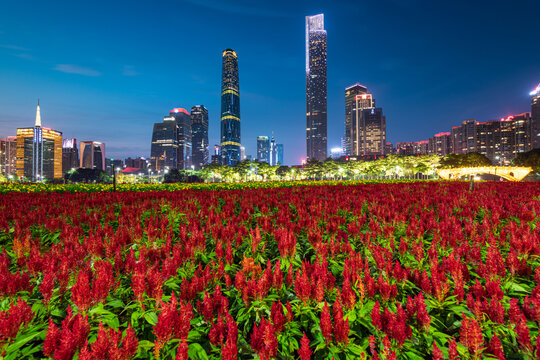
{"x":472,"y":159}
{"x":283,"y":172}
{"x":529,"y":158}
{"x":88,"y":176}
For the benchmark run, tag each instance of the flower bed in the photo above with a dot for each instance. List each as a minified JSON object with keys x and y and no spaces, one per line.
{"x":405,"y":270}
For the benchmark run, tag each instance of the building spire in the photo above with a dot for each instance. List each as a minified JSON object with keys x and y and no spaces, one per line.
{"x":38,"y":116}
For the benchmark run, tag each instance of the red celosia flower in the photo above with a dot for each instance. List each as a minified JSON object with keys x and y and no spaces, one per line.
{"x":376,"y":316}
{"x":277,"y":316}
{"x":452,"y":350}
{"x":471,"y":335}
{"x":182,"y":351}
{"x":495,"y":348}
{"x":437,"y":353}
{"x":290,"y":314}
{"x":341,"y":325}
{"x":47,"y":286}
{"x":304,"y":351}
{"x":326,"y":323}
{"x":423,"y":317}
{"x":12,"y":319}
{"x":80,"y":292}
{"x":264,"y":340}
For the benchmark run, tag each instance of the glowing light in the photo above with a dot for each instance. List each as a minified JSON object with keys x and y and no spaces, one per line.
{"x":535,"y":91}
{"x":182,"y":110}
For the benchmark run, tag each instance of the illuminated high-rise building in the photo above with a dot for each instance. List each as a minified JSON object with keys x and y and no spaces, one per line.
{"x":184,"y":137}
{"x":199,"y":130}
{"x":70,"y":155}
{"x":535,"y":120}
{"x":230,"y":109}
{"x":372,"y":132}
{"x":316,"y":97}
{"x":279,"y":148}
{"x":92,"y":155}
{"x":39,"y":152}
{"x":8,"y":155}
{"x":351,"y":93}
{"x":163,"y":152}
{"x":273,"y":151}
{"x":358,"y":103}
{"x":263,"y":149}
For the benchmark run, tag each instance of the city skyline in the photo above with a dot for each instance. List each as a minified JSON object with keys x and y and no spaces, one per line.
{"x":78,"y":94}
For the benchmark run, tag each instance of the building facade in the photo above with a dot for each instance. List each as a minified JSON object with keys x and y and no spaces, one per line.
{"x":357,"y":130}
{"x":183,"y":137}
{"x":92,"y":155}
{"x":412,"y":148}
{"x":163,"y":152}
{"x":70,"y":155}
{"x":263,"y":149}
{"x":440,"y":144}
{"x":39,"y":152}
{"x":316,"y":89}
{"x":351,"y":94}
{"x":535,"y":121}
{"x":279,"y":148}
{"x":199,"y":129}
{"x":372,"y":134}
{"x":230,"y":109}
{"x":8,"y":156}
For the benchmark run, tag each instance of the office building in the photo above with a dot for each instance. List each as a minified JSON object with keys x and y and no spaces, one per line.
{"x":92,"y":155}
{"x":8,"y":155}
{"x":230,"y":109}
{"x":316,"y":97}
{"x":70,"y":155}
{"x":388,"y":148}
{"x":372,"y":134}
{"x":242,"y":153}
{"x":363,"y":101}
{"x":199,"y":130}
{"x":163,"y":152}
{"x":263,"y":149}
{"x":279,"y":148}
{"x":39,"y":152}
{"x":184,"y":137}
{"x":273,"y":151}
{"x":137,"y":163}
{"x":535,"y":120}
{"x":352,"y":94}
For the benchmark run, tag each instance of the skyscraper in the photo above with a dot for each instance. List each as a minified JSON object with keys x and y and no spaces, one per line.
{"x":230,"y":109}
{"x":8,"y":155}
{"x":199,"y":129}
{"x":351,"y":94}
{"x":39,"y":152}
{"x":360,"y":102}
{"x":372,"y":134}
{"x":184,"y":137}
{"x":279,"y":153}
{"x":316,"y":104}
{"x":163,"y":152}
{"x":92,"y":155}
{"x":70,"y":155}
{"x":535,"y":121}
{"x":273,"y":151}
{"x":263,"y":149}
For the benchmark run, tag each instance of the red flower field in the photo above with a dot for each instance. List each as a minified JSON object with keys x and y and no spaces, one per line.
{"x":383,"y":271}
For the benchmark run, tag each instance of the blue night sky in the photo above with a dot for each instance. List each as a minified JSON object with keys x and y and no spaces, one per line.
{"x":107,"y":70}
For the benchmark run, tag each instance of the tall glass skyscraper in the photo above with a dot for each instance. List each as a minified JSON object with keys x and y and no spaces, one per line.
{"x":230,"y":109}
{"x":316,"y":128}
{"x":39,"y":152}
{"x":199,"y":130}
{"x":351,"y":96}
{"x":263,"y":149}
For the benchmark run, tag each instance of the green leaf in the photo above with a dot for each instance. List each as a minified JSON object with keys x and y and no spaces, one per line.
{"x":196,"y":352}
{"x":151,"y":317}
